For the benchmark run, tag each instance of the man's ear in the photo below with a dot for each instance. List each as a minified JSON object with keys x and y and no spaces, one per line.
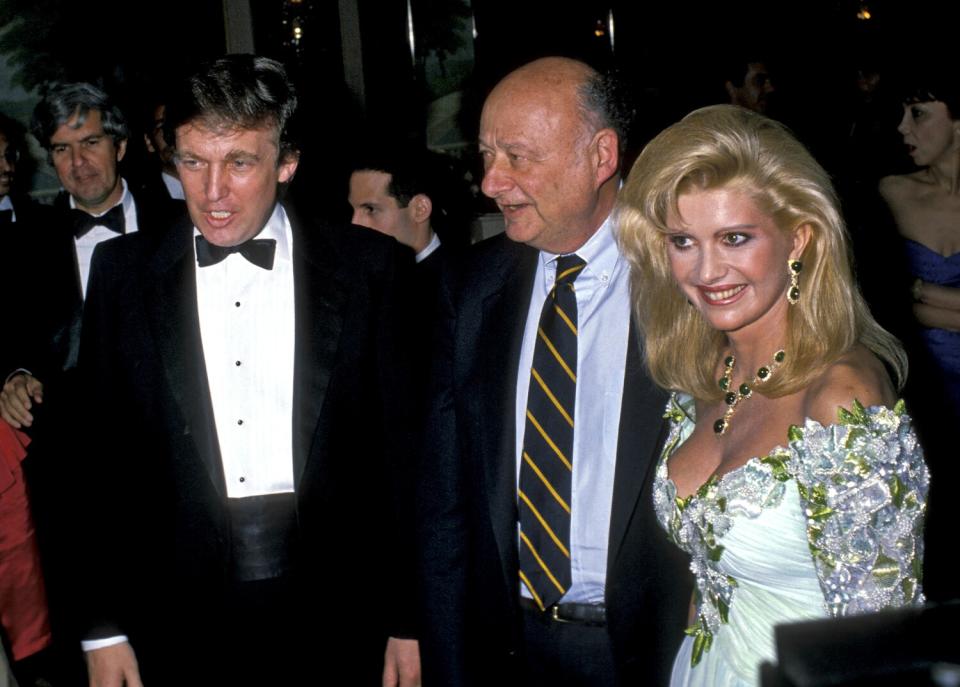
{"x":422,"y":207}
{"x":148,"y":143}
{"x":121,"y":149}
{"x":731,"y":91}
{"x":287,"y":166}
{"x":607,"y":146}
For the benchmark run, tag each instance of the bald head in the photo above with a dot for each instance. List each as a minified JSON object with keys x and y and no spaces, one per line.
{"x":554,"y":80}
{"x":550,"y":157}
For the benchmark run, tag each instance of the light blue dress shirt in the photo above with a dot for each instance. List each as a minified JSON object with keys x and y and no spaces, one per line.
{"x":603,"y":307}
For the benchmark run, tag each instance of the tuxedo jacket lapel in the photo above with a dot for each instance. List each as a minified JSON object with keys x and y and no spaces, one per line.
{"x":320,"y":291}
{"x":172,"y":310}
{"x":67,"y":339}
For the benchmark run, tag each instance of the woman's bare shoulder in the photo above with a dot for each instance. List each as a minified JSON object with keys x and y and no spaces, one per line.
{"x":858,"y":375}
{"x":899,"y":187}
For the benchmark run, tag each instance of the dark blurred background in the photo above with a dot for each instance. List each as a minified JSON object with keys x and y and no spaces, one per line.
{"x":419,"y":69}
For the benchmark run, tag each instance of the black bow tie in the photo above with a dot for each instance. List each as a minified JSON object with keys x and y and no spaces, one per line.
{"x":258,"y":251}
{"x":84,"y":221}
{"x":6,"y":216}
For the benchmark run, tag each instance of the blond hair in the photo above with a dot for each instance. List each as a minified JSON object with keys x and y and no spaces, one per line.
{"x":724,"y":146}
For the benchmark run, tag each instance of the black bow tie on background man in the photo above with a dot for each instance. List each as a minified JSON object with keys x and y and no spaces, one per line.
{"x":84,"y":221}
{"x":258,"y":251}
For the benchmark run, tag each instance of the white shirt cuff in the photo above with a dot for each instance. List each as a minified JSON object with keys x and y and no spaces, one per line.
{"x":92,"y":644}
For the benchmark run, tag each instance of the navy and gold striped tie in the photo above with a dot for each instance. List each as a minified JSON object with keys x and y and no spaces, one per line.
{"x":546,"y":465}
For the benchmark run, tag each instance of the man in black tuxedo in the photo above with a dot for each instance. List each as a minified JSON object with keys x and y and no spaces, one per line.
{"x":602,"y":599}
{"x":85,"y":135}
{"x":250,"y":469}
{"x":48,"y":264}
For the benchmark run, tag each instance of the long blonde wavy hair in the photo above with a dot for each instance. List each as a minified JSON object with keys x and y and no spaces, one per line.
{"x":723,"y":146}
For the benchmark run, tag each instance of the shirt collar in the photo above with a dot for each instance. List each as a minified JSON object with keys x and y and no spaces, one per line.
{"x":600,"y":252}
{"x":126,"y":199}
{"x":432,"y":246}
{"x":6,"y":203}
{"x":173,"y":185}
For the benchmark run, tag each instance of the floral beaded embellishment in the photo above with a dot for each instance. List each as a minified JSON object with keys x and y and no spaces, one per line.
{"x":862,"y":484}
{"x":698,"y":522}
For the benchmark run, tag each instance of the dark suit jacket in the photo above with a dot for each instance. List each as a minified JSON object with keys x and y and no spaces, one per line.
{"x":469,"y":517}
{"x":16,"y":240}
{"x":155,"y":461}
{"x":46,"y":267}
{"x":43,"y":273}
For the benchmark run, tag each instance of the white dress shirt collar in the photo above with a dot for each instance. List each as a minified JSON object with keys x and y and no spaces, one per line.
{"x":432,"y":246}
{"x":126,"y":199}
{"x":600,"y":252}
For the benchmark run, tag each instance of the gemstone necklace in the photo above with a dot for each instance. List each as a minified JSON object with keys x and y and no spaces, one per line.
{"x":744,"y":391}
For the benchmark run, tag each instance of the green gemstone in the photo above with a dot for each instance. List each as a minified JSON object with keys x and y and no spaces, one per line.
{"x":763,"y":373}
{"x":724,"y":383}
{"x":729,"y":361}
{"x":794,"y":293}
{"x":779,"y":356}
{"x":745,"y":390}
{"x":796,"y":266}
{"x":730,"y":398}
{"x":720,"y":426}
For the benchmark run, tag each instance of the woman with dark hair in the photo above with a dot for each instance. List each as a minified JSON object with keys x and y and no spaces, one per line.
{"x":795,"y":482}
{"x":925,"y":205}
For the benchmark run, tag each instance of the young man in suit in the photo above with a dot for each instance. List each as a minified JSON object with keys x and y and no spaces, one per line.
{"x":390,"y":192}
{"x":542,"y":560}
{"x":251,"y":472}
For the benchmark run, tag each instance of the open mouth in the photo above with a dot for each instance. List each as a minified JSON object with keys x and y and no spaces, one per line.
{"x":512,"y":208}
{"x":722,"y":296}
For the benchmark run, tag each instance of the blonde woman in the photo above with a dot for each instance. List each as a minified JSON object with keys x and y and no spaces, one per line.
{"x":791,"y":475}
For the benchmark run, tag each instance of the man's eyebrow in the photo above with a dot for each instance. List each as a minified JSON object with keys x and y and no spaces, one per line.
{"x":508,"y":146}
{"x":511,"y":147}
{"x":239,"y":152}
{"x":86,"y":138}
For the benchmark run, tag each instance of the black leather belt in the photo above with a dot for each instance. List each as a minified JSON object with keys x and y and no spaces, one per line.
{"x":582,"y":614}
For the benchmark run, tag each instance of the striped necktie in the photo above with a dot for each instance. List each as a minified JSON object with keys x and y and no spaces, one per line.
{"x":546,"y":465}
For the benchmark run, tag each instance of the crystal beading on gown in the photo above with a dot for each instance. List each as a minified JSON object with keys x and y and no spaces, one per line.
{"x":829,"y":525}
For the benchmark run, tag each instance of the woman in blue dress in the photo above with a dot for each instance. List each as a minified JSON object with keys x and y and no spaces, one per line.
{"x":925,"y":205}
{"x":791,"y":475}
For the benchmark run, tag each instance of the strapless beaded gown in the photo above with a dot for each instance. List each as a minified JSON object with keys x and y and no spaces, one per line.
{"x":829,"y":525}
{"x":943,"y":345}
